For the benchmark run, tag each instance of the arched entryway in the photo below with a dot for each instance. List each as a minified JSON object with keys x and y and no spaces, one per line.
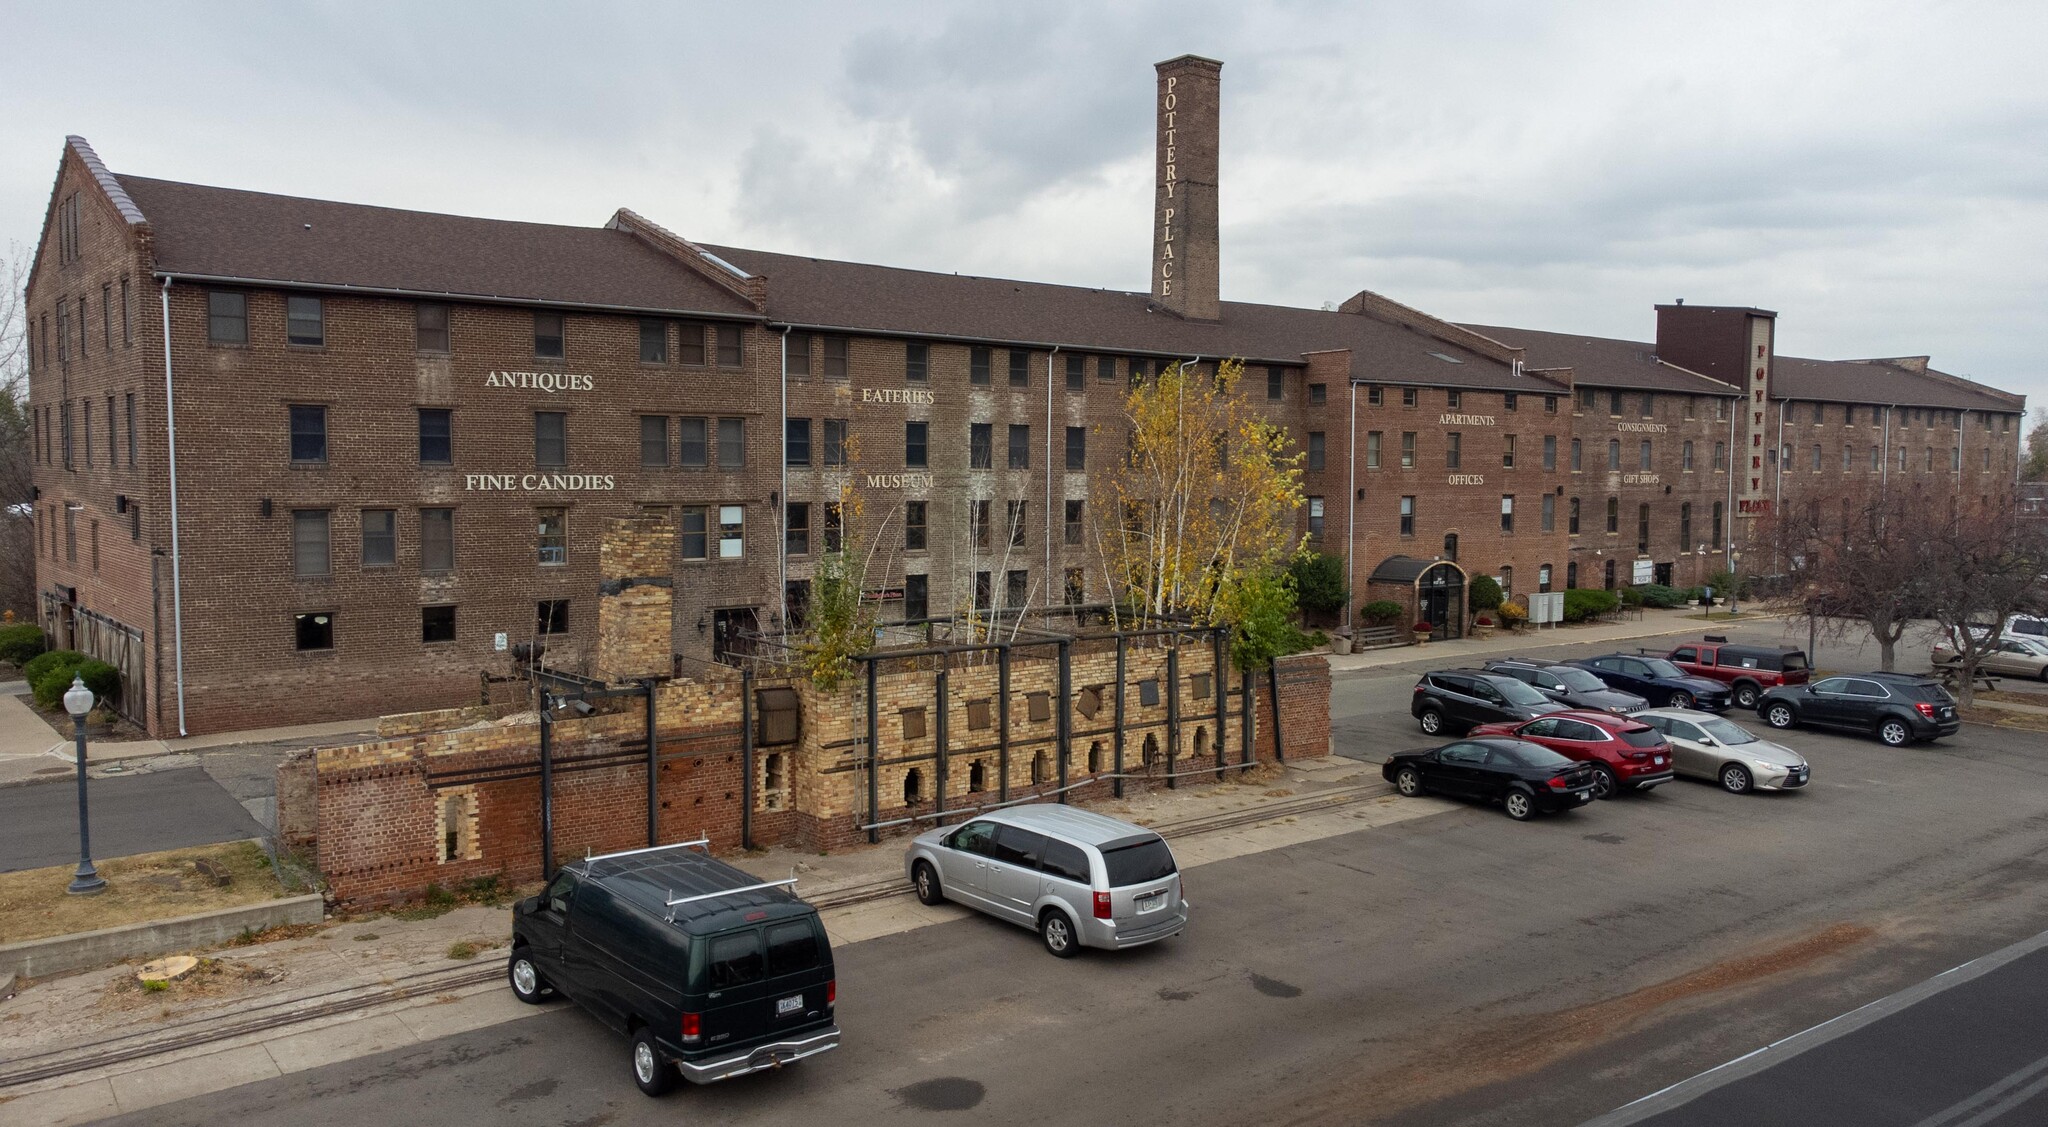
{"x":1432,"y":590}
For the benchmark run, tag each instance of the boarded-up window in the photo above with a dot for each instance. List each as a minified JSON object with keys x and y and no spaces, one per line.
{"x":977,"y":717}
{"x":1090,"y":702}
{"x":913,"y":723}
{"x":1148,"y":692}
{"x":1040,"y":705}
{"x":1198,"y":686}
{"x":778,"y":719}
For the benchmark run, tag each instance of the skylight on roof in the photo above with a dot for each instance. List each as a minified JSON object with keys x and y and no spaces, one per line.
{"x":1447,"y":358}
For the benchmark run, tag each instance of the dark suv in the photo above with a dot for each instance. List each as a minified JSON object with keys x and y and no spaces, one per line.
{"x":1457,"y":700}
{"x":1748,"y":671}
{"x":1569,"y":685}
{"x":711,"y":971}
{"x":1658,"y":681}
{"x":1897,"y":708}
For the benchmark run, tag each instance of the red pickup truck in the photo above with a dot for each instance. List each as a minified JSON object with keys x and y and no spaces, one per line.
{"x":1749,"y":671}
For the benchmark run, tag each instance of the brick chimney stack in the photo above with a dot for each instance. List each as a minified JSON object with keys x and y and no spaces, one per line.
{"x":1185,"y":245}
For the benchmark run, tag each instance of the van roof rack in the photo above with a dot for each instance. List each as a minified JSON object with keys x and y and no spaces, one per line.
{"x":702,"y":841}
{"x":672,"y":902}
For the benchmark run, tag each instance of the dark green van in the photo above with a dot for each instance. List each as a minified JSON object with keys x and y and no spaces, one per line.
{"x":712,"y":972}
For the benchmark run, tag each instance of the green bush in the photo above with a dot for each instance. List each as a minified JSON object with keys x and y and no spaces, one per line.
{"x":1727,"y":586}
{"x":1484,"y":594}
{"x":1379,"y":612}
{"x":104,"y":680}
{"x":20,"y":643}
{"x":54,"y":679}
{"x":1658,"y":595}
{"x":43,"y":663}
{"x":1318,"y":582}
{"x":1630,"y":597}
{"x":1581,"y":603}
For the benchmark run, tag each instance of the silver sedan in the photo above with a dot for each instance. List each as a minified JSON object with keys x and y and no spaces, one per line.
{"x":1705,"y":746}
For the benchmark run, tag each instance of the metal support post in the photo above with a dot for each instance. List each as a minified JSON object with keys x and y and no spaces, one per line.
{"x":943,"y":731}
{"x":1117,"y":783}
{"x":1003,"y":724}
{"x":874,"y":774}
{"x":1273,"y":684}
{"x":1222,"y":699}
{"x":547,"y":787}
{"x":1062,"y":725}
{"x":653,"y":769}
{"x":747,"y":757}
{"x":1172,"y":713}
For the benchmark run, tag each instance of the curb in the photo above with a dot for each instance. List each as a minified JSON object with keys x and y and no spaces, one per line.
{"x":84,"y":950}
{"x":1536,"y":642}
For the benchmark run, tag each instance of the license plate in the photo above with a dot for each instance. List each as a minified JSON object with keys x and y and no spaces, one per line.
{"x":1585,"y":796}
{"x":786,"y":1006}
{"x":1660,"y":759}
{"x":1152,"y":901}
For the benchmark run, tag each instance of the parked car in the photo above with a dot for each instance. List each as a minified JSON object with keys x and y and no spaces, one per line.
{"x":1078,"y":878}
{"x":2027,"y":626}
{"x":1569,"y":685}
{"x":2007,"y":658}
{"x":711,"y":971}
{"x":1455,"y":700}
{"x":1705,"y":746}
{"x":1897,"y":708}
{"x":1624,"y":754}
{"x":1657,"y":680}
{"x":1525,"y":778}
{"x":1748,"y":671}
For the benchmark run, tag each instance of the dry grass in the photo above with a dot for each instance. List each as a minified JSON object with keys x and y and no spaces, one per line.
{"x":2006,"y":718}
{"x":149,"y":886}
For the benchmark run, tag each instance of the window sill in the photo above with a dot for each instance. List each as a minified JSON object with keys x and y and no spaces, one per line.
{"x":321,"y":465}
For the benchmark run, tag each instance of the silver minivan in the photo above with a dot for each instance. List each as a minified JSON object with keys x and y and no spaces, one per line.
{"x":1079,"y":879}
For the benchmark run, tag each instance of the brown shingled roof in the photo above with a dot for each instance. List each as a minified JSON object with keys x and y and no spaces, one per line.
{"x":226,"y":233}
{"x":1603,"y":362}
{"x":1879,"y":381}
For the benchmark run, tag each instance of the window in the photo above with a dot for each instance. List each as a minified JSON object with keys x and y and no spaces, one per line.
{"x":1649,"y":404}
{"x":917,"y":362}
{"x":1507,"y":512}
{"x":1315,"y":518}
{"x":1571,"y":524}
{"x":547,"y":335}
{"x":653,"y":341}
{"x":65,"y":432}
{"x":835,"y":442}
{"x":1720,"y":456}
{"x":980,"y":517}
{"x":1375,"y":395}
{"x":796,"y":353}
{"x":227,"y":320}
{"x":1407,"y":449}
{"x":732,"y":444}
{"x":1955,"y":453}
{"x":1407,"y":516}
{"x":1454,"y":450}
{"x":303,"y":323}
{"x":1318,"y":393}
{"x":309,"y":543}
{"x":313,"y":631}
{"x":731,"y":531}
{"x":916,"y":436}
{"x":107,"y":314}
{"x":1451,"y":546}
{"x":1614,"y":453}
{"x":380,"y":537}
{"x":430,"y":328}
{"x":554,"y":536}
{"x":308,"y":434}
{"x":1017,"y":588}
{"x":551,"y":616}
{"x":437,"y":444}
{"x":796,"y":442}
{"x":1138,"y":374}
{"x":1507,"y":580}
{"x":130,"y":405}
{"x":1077,"y":448}
{"x":88,"y":433}
{"x":913,"y":526}
{"x":836,"y":364}
{"x":983,"y":597}
{"x":1408,"y":397}
{"x":693,"y":535}
{"x":1020,"y":446}
{"x":1550,"y":512}
{"x":917,"y":600}
{"x":1454,"y":399}
{"x":1614,"y":403}
{"x":1315,"y":450}
{"x":1549,"y":452}
{"x":1816,"y":457}
{"x":1276,"y":384}
{"x":1507,"y":452}
{"x":727,"y":340}
{"x":1586,"y":398}
{"x":1076,"y":587}
{"x":1074,"y":511}
{"x":1614,"y":514}
{"x":1685,"y":526}
{"x":977,"y":366}
{"x":1510,"y":401}
{"x":1643,"y":458}
{"x":1016,"y":516}
{"x":690,"y":345}
{"x":1105,"y":369}
{"x":1077,"y":372}
{"x":1877,"y":454}
{"x":437,"y":539}
{"x":653,"y":440}
{"x":835,"y":528}
{"x":437,"y":624}
{"x":1020,"y":368}
{"x":692,"y":451}
{"x":1642,"y":528}
{"x":1372,"y":450}
{"x":550,"y":438}
{"x":980,"y":439}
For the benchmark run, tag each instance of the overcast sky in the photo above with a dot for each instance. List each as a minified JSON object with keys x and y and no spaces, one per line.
{"x":1875,"y":172}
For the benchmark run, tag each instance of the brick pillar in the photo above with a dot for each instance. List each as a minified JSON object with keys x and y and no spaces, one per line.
{"x":636,"y":597}
{"x":1185,"y":244}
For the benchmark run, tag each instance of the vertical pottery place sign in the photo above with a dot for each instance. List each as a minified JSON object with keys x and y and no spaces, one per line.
{"x":1169,"y":102}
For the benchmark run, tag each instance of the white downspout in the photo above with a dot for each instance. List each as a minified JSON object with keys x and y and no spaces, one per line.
{"x":1778,"y":503}
{"x":177,"y":586}
{"x":1734,"y":452}
{"x":1351,"y":508}
{"x":1047,"y":519}
{"x":782,"y":512}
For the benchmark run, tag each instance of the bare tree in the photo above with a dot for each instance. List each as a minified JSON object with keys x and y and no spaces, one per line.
{"x":17,"y":440}
{"x":1982,"y":567}
{"x":1858,"y":555}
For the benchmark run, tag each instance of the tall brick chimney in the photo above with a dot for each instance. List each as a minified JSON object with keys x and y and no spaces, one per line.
{"x":1184,"y":240}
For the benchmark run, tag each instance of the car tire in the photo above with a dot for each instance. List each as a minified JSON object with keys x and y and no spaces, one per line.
{"x":1432,"y":722}
{"x":1605,"y":785}
{"x":1408,"y":781}
{"x":1057,"y":932}
{"x":655,"y":1076}
{"x":1893,"y":732}
{"x":925,"y":880}
{"x":1780,"y":716}
{"x":1746,"y":695}
{"x":1679,"y":699}
{"x":1735,"y":778}
{"x":528,"y":984}
{"x":1519,"y":805}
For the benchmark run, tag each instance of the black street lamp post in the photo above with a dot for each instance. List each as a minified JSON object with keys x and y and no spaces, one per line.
{"x":78,"y":702}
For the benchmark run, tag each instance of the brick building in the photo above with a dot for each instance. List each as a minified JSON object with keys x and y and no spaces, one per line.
{"x":300,"y":460}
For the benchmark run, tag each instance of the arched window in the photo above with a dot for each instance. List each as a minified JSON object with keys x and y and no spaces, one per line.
{"x":1610,"y":575}
{"x":1643,"y":527}
{"x":977,"y":776}
{"x":1507,"y":581}
{"x":913,"y":787}
{"x":1614,"y":453}
{"x":1571,"y":574}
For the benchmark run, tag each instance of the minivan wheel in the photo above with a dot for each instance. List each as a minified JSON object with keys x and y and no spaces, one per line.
{"x":1058,"y":933}
{"x":927,"y":884}
{"x":1409,"y":782}
{"x":1520,"y":806}
{"x":527,"y":984}
{"x":1432,"y":721}
{"x":1735,"y":779}
{"x":654,"y":1075}
{"x":1778,"y":716}
{"x":1894,"y":733}
{"x":1681,"y":699}
{"x":1746,"y":695}
{"x":1604,"y":785}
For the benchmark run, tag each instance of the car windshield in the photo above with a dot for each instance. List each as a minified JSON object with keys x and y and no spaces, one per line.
{"x":1136,"y":864}
{"x":1726,"y":733}
{"x":1661,"y":668}
{"x":1578,"y":680}
{"x":1642,"y":737}
{"x":1516,"y":692}
{"x":1532,"y":755}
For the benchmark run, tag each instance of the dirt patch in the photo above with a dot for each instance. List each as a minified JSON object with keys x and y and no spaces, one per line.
{"x":2004,"y":717}
{"x":212,"y":978}
{"x":148,"y":886}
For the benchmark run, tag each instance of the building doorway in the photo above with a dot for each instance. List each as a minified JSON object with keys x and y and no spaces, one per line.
{"x":1664,"y":574}
{"x":732,"y":634}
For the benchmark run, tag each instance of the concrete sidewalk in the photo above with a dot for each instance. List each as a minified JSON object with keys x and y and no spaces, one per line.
{"x":1472,"y":650}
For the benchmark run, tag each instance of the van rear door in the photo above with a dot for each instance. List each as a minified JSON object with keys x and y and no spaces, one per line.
{"x":762,"y":981}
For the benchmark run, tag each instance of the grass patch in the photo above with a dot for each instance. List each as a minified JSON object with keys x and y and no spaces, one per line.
{"x":486,"y":891}
{"x":462,"y":951}
{"x":2006,"y":718}
{"x":148,"y":886}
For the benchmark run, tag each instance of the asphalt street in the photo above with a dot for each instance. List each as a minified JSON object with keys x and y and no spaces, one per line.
{"x":142,"y":813}
{"x":1454,"y":969}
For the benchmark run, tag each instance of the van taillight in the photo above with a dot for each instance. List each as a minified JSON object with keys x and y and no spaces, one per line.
{"x":1102,"y":906}
{"x":693,"y":1028}
{"x":832,"y":992}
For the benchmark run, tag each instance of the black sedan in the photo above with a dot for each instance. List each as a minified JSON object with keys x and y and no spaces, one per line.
{"x":1661,"y":683}
{"x":1525,"y":778}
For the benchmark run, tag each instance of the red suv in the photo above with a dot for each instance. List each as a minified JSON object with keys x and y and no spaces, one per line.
{"x":1748,"y":671}
{"x":1625,"y":754}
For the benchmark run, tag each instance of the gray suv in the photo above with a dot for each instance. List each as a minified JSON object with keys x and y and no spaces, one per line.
{"x":1079,"y":879}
